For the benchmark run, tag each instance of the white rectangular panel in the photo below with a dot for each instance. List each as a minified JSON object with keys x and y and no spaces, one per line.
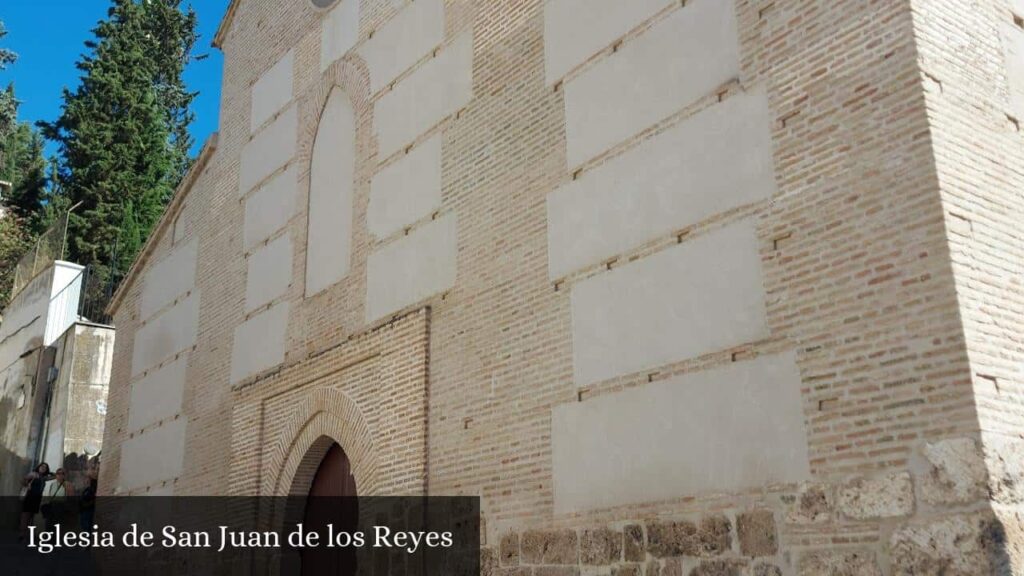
{"x":158,"y":395}
{"x":437,"y":89}
{"x":340,"y":32}
{"x":680,"y":59}
{"x":270,"y":149}
{"x":272,"y":91}
{"x":721,"y":430}
{"x":407,"y":190}
{"x":575,"y":30}
{"x":259,"y":343}
{"x":411,"y":268}
{"x":154,"y":456}
{"x":270,"y":272}
{"x":403,"y":41}
{"x":166,"y":334}
{"x":701,"y":296}
{"x":270,"y":207}
{"x":719,"y":159}
{"x":169,"y":278}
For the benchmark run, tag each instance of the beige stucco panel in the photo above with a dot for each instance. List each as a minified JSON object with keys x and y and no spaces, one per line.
{"x":575,"y":30}
{"x":259,"y":342}
{"x":704,"y":295}
{"x":158,"y":395}
{"x":406,"y":190}
{"x":168,"y":279}
{"x":270,"y":272}
{"x":332,"y":173}
{"x":272,"y":91}
{"x":166,"y":334}
{"x":270,"y":207}
{"x":154,"y":456}
{"x":435,"y":90}
{"x":721,"y":430}
{"x":268,"y":150}
{"x":680,"y":59}
{"x":402,"y":41}
{"x":719,"y":159}
{"x":340,"y":32}
{"x":411,"y":268}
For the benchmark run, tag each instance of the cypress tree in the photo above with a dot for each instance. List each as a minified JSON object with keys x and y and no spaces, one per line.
{"x":122,"y":133}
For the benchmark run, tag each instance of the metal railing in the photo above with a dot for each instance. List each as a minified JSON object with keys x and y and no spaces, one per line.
{"x":48,"y":248}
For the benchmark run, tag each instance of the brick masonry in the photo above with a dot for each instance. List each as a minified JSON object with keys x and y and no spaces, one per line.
{"x":891,"y":258}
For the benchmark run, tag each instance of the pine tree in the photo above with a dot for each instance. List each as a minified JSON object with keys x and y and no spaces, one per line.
{"x":122,"y":134}
{"x":8,"y":111}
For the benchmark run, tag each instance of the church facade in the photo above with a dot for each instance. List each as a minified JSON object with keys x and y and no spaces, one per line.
{"x":674,"y":287}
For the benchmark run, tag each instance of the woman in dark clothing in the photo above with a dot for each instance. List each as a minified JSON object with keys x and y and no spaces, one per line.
{"x":35,"y":481}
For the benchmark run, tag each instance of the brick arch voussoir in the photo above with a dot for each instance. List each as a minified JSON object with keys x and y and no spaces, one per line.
{"x":325,"y":417}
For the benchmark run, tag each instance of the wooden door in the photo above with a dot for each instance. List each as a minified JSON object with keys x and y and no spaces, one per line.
{"x":331,"y":501}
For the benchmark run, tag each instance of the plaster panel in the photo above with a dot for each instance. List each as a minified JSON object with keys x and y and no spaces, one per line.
{"x":719,"y":159}
{"x":270,"y":149}
{"x":698,"y":297}
{"x":329,"y":237}
{"x":268,"y":209}
{"x":575,"y":30}
{"x":411,"y":268}
{"x":168,"y":279}
{"x":403,"y":41}
{"x":154,"y":456}
{"x":721,"y":430}
{"x":166,"y":334}
{"x":272,"y":91}
{"x":1013,"y":47}
{"x":157,"y":396}
{"x":340,"y":32}
{"x":259,"y":342}
{"x":680,"y":59}
{"x":437,"y":89}
{"x":270,"y":273}
{"x":406,"y":190}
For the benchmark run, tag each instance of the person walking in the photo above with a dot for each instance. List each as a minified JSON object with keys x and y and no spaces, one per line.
{"x":55,"y":495}
{"x":87,"y":501}
{"x":34,"y":483}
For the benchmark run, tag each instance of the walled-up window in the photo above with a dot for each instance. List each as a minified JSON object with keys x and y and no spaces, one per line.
{"x":332,"y":169}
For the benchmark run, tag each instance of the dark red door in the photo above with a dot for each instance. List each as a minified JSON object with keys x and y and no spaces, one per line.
{"x":331,"y":501}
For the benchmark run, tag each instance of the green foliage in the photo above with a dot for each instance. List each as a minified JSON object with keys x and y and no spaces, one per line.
{"x":122,"y":134}
{"x":8,"y":105}
{"x":23,"y":165}
{"x":14,"y":241}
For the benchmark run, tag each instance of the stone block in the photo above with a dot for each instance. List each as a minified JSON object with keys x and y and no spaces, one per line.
{"x":271,"y":147}
{"x":627,"y":570}
{"x":340,"y":32}
{"x":508,"y":550}
{"x":549,"y":547}
{"x":435,"y":90}
{"x":681,"y":58}
{"x":652,"y":568}
{"x":957,"y":473}
{"x":811,"y":505}
{"x":556,"y":571}
{"x":718,"y":159}
{"x":684,"y":538}
{"x":765,"y":569}
{"x":270,"y":207}
{"x":730,"y":567}
{"x":757,"y":533}
{"x":600,"y":546}
{"x":402,"y":41}
{"x":839,"y":563}
{"x":574,"y":30}
{"x":168,"y":279}
{"x":887,"y":496}
{"x":269,"y":273}
{"x":672,"y":567}
{"x":1004,"y":457}
{"x":965,"y":545}
{"x":272,"y":91}
{"x":407,"y":190}
{"x":488,"y":562}
{"x":634,"y":549}
{"x":703,"y":295}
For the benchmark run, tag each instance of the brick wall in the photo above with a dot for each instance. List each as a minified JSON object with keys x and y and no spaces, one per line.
{"x":890,"y":271}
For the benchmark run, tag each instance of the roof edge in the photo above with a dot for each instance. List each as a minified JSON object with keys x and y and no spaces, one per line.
{"x":172,"y":210}
{"x":225,"y":25}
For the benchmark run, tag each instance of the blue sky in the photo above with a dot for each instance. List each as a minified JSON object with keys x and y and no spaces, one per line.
{"x":49,"y":37}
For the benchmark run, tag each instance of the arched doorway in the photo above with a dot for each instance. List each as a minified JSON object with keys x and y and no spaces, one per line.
{"x":331,"y":500}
